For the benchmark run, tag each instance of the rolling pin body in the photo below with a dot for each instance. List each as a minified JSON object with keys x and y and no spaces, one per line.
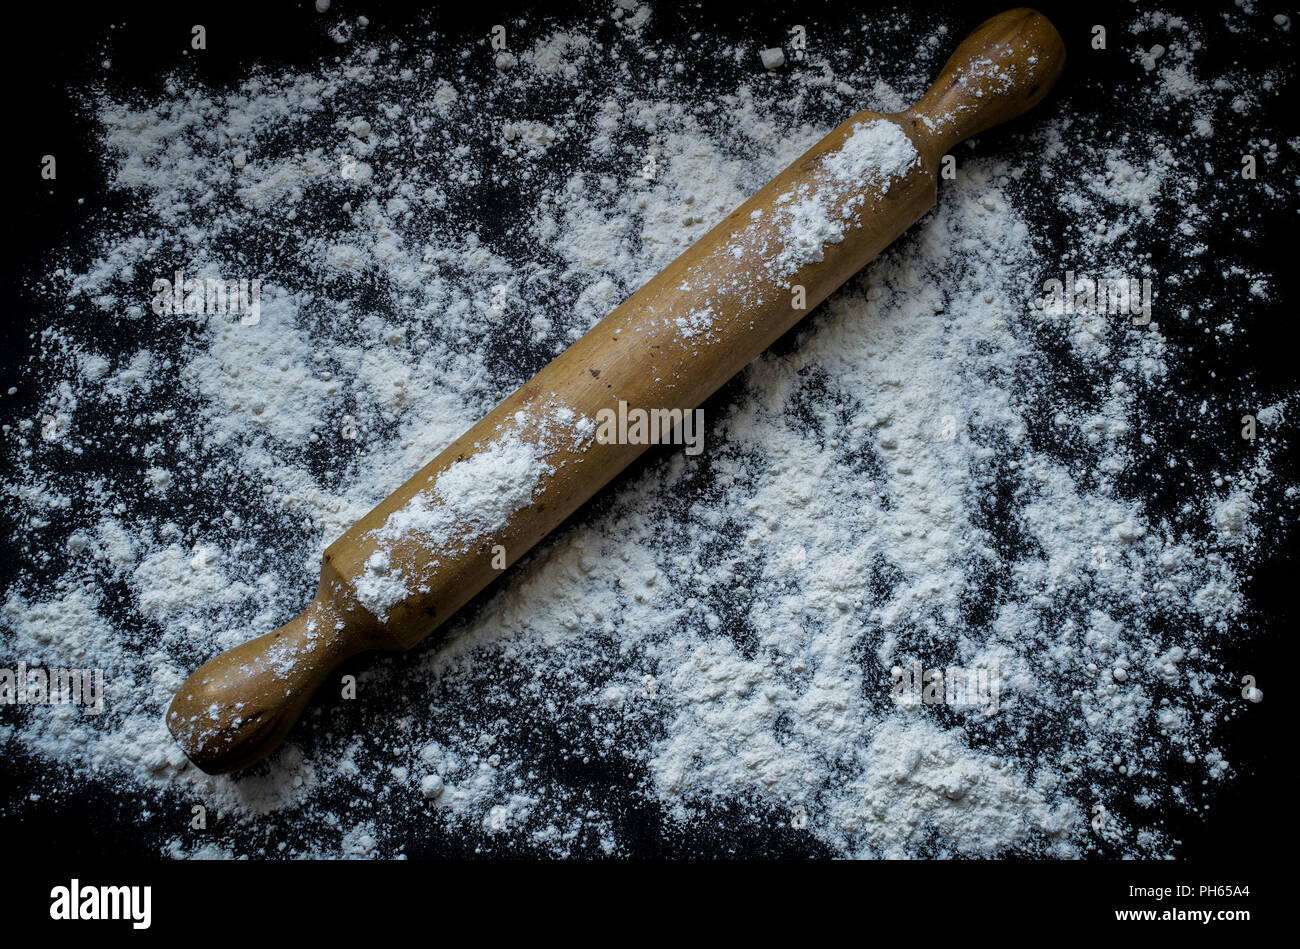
{"x":417,"y":557}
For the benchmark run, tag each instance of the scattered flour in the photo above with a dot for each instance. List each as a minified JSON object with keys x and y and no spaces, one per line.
{"x":934,"y":469}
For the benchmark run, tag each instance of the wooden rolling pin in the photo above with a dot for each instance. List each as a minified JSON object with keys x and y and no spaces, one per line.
{"x":443,"y":535}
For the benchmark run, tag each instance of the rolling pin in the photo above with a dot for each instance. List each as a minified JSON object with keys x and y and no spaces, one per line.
{"x":441,"y":537}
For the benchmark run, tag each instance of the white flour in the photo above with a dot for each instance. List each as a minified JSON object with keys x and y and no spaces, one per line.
{"x":938,"y":469}
{"x":470,"y":501}
{"x":875,"y":154}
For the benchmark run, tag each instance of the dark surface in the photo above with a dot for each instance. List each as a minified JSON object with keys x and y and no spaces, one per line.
{"x":150,"y":40}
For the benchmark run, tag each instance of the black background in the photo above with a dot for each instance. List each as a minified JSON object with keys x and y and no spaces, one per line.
{"x":57,"y":51}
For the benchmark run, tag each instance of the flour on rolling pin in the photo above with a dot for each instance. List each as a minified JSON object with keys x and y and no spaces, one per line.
{"x":470,"y":501}
{"x":875,"y":154}
{"x":805,"y":220}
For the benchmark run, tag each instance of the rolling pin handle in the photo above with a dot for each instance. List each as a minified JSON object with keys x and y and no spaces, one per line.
{"x":1005,"y":67}
{"x":237,"y":707}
